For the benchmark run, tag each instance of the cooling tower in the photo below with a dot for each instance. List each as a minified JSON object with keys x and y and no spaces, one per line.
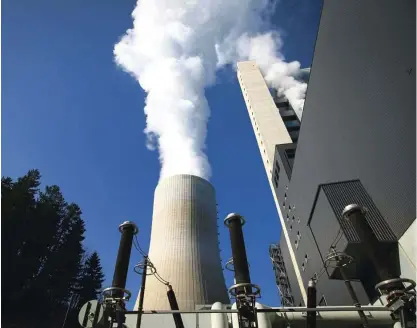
{"x":184,"y":245}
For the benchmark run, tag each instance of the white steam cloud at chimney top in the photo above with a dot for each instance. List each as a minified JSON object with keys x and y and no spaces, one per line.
{"x":174,"y":50}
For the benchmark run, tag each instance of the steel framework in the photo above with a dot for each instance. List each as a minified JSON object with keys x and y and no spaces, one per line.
{"x":281,"y":277}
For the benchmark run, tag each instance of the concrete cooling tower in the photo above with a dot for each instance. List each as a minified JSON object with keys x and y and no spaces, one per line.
{"x":184,"y":245}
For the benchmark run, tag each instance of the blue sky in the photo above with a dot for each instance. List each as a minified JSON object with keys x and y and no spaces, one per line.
{"x":68,"y":111}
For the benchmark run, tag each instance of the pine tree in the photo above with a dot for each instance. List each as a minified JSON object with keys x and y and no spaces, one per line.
{"x":42,"y":254}
{"x":18,"y":222}
{"x":91,"y":279}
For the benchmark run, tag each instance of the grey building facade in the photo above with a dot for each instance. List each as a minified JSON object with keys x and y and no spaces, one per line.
{"x":356,"y":144}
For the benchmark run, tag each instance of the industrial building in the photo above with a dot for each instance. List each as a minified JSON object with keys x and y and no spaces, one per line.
{"x":354,"y":145}
{"x":343,"y":182}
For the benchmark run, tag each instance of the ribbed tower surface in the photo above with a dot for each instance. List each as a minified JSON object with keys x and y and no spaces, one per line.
{"x":184,"y":245}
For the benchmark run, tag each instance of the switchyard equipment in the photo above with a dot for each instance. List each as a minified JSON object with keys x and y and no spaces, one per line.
{"x":110,"y":311}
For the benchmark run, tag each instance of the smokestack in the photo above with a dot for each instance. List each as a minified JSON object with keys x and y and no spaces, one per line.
{"x":184,"y":245}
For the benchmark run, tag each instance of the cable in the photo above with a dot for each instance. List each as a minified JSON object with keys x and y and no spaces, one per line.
{"x":337,"y":238}
{"x":161,"y":280}
{"x":317,"y":276}
{"x":140,"y":249}
{"x":156,"y":274}
{"x":137,"y":246}
{"x":337,"y":241}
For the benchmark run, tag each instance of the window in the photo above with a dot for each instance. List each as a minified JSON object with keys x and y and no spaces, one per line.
{"x":276,"y":175}
{"x":292,"y":123}
{"x":290,"y":152}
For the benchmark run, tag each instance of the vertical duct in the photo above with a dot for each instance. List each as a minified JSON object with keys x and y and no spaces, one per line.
{"x":184,"y":245}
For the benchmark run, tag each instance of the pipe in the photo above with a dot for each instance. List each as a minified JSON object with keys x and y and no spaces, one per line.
{"x":128,"y":230}
{"x":276,"y":310}
{"x":403,"y":318}
{"x":240,"y":262}
{"x":397,"y":324}
{"x":267,"y":319}
{"x":264,"y":320}
{"x":219,"y":320}
{"x":235,"y":316}
{"x":332,"y":319}
{"x":142,"y":292}
{"x":311,"y":303}
{"x":174,"y":306}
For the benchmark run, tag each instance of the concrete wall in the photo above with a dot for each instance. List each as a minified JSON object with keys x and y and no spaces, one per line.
{"x":267,"y":124}
{"x":408,"y":252}
{"x":269,"y":130}
{"x":184,"y":245}
{"x":359,"y":118}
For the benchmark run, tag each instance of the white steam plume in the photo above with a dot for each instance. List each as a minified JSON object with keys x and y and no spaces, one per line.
{"x":174,"y":49}
{"x":265,"y":50}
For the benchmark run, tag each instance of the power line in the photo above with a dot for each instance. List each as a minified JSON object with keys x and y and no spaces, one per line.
{"x":339,"y":236}
{"x":150,"y":264}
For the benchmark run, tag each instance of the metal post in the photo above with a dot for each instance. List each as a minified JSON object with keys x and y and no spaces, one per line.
{"x":240,"y":262}
{"x":244,"y":291}
{"x":311,"y":303}
{"x":142,"y":292}
{"x":355,"y":299}
{"x":128,"y":230}
{"x":174,"y":306}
